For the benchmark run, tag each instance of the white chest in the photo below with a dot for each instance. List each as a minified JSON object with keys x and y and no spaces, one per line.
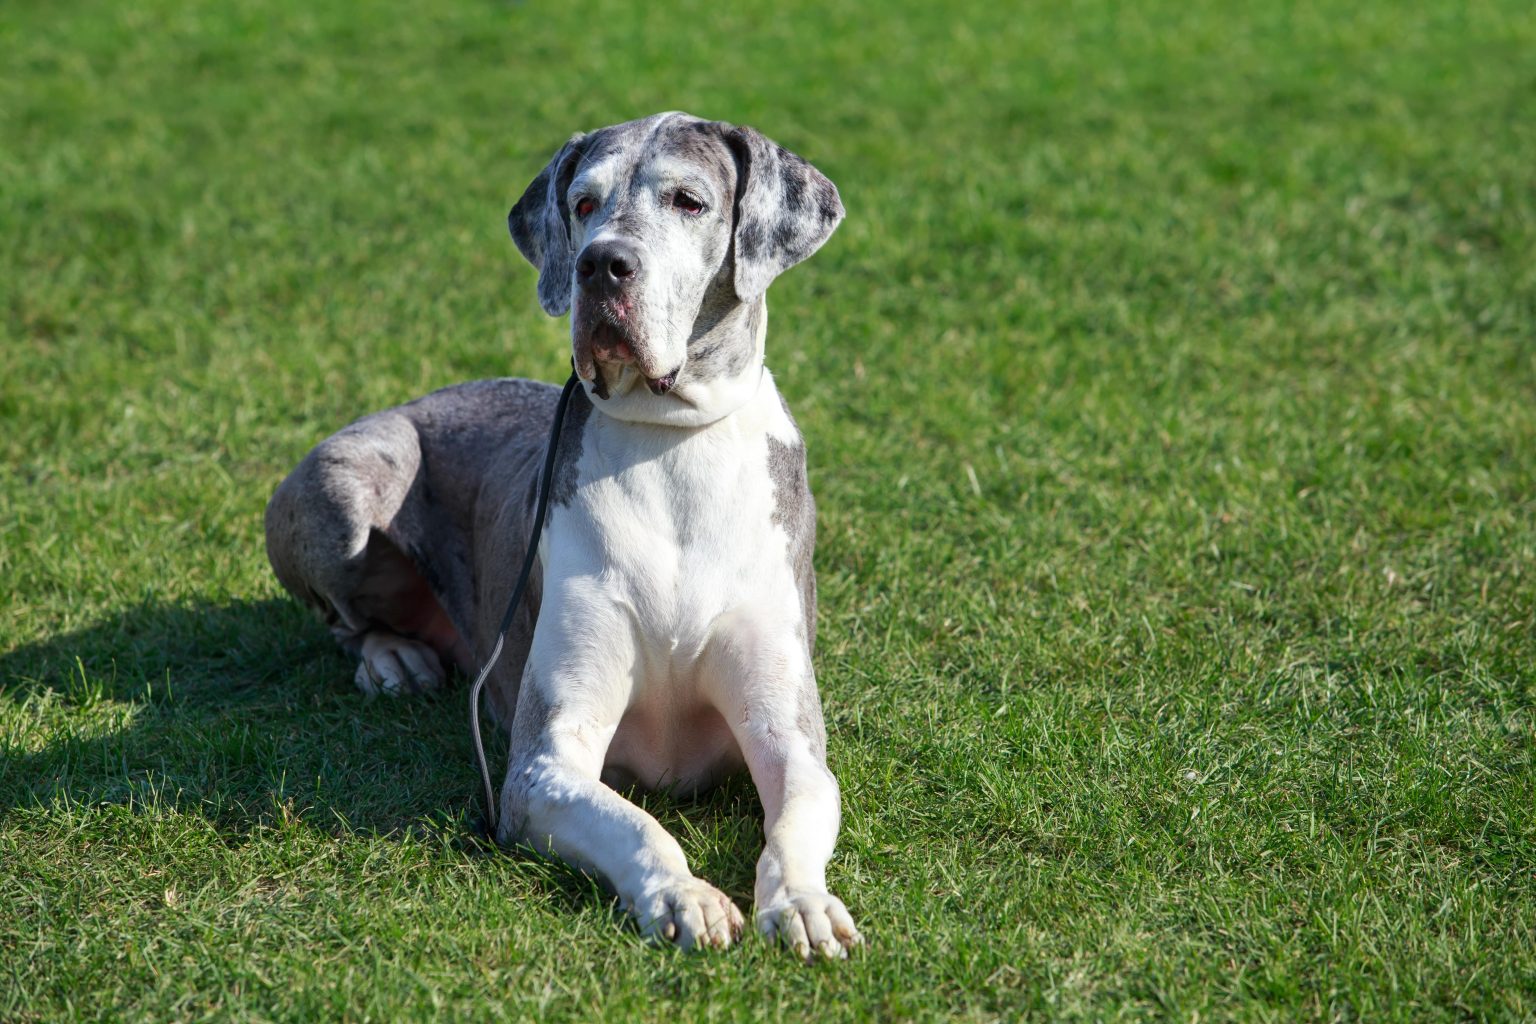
{"x":677,"y":526}
{"x":670,"y":543}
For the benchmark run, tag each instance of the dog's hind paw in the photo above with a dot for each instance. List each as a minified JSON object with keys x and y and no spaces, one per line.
{"x":812,"y":923}
{"x":394,"y":665}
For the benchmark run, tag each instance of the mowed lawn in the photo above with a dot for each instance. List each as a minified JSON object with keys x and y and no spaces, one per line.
{"x":1170,"y":394}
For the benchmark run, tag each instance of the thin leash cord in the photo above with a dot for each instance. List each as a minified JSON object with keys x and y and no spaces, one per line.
{"x":542,"y":506}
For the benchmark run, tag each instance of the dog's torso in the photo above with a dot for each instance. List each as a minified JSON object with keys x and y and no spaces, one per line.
{"x":662,"y":544}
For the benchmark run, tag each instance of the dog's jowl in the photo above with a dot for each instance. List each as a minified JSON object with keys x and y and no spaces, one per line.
{"x":667,"y":634}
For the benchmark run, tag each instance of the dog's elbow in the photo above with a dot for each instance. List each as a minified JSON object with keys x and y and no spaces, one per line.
{"x":538,"y":790}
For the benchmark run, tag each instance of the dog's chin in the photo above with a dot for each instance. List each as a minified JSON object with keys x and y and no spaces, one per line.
{"x":611,"y":377}
{"x":605,"y":350}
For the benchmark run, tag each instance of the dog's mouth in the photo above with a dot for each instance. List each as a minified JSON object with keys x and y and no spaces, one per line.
{"x":608,"y":349}
{"x":610,"y":344}
{"x":661,"y":385}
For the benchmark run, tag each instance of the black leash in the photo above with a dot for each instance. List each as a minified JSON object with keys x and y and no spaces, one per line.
{"x":541,"y":507}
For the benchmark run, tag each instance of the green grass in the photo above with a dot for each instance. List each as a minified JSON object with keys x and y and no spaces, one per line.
{"x":1171,"y":402}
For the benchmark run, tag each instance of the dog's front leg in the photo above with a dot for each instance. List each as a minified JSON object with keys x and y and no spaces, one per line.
{"x":769,"y":697}
{"x":800,"y":822}
{"x":553,"y":801}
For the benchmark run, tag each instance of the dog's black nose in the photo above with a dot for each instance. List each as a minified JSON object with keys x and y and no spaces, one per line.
{"x":611,"y":262}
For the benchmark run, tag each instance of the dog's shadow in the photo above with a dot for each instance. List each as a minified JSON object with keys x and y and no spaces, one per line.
{"x":244,"y":713}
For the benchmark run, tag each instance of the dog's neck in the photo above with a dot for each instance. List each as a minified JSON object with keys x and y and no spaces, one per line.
{"x":722,"y":374}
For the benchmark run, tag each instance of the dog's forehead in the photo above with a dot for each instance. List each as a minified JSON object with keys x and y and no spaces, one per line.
{"x":666,"y":147}
{"x":607,"y":152}
{"x":689,"y":145}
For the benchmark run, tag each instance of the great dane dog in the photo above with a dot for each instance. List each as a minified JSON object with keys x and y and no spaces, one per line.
{"x":667,"y":633}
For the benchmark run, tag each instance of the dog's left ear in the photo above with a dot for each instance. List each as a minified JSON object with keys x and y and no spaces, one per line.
{"x":540,"y":224}
{"x":785,"y":210}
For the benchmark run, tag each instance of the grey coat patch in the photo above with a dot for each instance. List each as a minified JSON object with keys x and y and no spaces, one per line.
{"x":563,"y":485}
{"x":795,"y":510}
{"x":702,"y":143}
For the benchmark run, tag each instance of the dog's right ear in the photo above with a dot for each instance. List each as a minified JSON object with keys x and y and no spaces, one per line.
{"x":540,"y":223}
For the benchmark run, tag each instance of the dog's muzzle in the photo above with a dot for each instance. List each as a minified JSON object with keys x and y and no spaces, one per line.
{"x":607,"y":273}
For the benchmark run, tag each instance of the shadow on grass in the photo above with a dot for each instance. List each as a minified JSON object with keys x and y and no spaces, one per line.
{"x":245,"y":714}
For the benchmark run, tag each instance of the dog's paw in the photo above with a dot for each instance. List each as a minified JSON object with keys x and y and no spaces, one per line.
{"x":690,"y":913}
{"x":394,"y":665}
{"x":812,"y":923}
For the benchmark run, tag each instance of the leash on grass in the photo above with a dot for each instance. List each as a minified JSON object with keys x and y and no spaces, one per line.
{"x":541,"y":506}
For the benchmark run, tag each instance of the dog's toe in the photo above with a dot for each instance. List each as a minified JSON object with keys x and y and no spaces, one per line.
{"x":812,"y":924}
{"x":393,"y":665}
{"x":692,"y":914}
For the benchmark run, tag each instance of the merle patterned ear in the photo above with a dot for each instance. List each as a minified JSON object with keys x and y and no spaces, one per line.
{"x":540,"y":224}
{"x":785,"y":210}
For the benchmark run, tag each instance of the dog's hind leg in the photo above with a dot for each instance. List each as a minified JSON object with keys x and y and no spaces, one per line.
{"x":338,"y":532}
{"x":410,"y":640}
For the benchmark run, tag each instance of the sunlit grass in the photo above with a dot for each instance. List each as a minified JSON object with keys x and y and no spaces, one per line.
{"x":1170,"y":395}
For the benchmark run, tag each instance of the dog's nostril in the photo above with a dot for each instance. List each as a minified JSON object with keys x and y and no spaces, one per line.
{"x":586,"y":268}
{"x":621,"y":267}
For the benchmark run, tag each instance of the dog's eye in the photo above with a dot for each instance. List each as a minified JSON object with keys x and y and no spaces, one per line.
{"x":584,"y":206}
{"x":687,"y":202}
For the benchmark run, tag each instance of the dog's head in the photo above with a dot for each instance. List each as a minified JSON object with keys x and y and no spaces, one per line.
{"x":656,"y":231}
